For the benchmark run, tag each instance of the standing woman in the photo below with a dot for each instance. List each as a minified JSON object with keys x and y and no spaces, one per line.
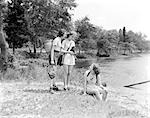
{"x":56,"y":50}
{"x":69,"y":58}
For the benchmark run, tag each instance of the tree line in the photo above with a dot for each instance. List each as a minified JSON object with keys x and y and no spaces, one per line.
{"x":30,"y":22}
{"x":108,"y":42}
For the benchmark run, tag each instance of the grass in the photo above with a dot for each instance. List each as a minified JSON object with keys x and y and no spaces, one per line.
{"x":35,"y":101}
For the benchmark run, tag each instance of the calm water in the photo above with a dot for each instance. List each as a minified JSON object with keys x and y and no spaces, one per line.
{"x":125,"y":71}
{"x":121,"y":72}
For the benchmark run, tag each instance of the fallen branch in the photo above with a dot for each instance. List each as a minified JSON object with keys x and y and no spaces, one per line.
{"x":137,"y":83}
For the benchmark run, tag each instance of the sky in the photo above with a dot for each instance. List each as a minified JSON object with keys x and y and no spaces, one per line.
{"x":115,"y":14}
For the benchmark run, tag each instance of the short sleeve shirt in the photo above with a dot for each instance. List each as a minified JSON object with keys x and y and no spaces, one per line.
{"x":68,"y":58}
{"x":57,"y":42}
{"x":67,"y":45}
{"x":91,"y":78}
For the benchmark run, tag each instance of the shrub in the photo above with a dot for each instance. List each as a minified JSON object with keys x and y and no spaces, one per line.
{"x":81,"y":56}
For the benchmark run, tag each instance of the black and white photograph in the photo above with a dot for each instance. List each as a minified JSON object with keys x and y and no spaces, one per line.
{"x":74,"y":59}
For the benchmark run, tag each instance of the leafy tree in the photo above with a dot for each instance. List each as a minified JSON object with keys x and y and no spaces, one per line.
{"x":86,"y":32}
{"x":124,"y":41}
{"x":2,"y":10}
{"x":15,"y":24}
{"x":140,"y":42}
{"x":131,"y":41}
{"x":107,"y":42}
{"x":45,"y":18}
{"x":124,"y":34}
{"x":3,"y":44}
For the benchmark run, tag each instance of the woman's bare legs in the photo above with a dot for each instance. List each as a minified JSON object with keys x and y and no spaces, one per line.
{"x":104,"y":93}
{"x":97,"y":91}
{"x":94,"y":92}
{"x":70,"y":67}
{"x":68,"y":70}
{"x":65,"y":78}
{"x":52,"y":55}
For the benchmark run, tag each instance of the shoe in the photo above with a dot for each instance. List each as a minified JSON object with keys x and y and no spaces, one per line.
{"x":55,"y":88}
{"x":66,"y":89}
{"x":51,"y":90}
{"x":52,"y":62}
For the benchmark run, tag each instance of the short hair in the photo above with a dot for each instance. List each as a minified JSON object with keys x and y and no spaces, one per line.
{"x":95,"y":67}
{"x":69,"y":34}
{"x":60,"y":34}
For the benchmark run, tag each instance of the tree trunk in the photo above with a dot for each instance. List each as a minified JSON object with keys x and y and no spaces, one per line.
{"x":3,"y":48}
{"x":79,"y":51}
{"x":97,"y":52}
{"x":13,"y":48}
{"x":30,"y":51}
{"x":34,"y":46}
{"x":124,"y":51}
{"x":0,"y":17}
{"x":3,"y":54}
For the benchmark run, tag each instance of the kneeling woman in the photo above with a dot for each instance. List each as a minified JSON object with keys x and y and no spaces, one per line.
{"x":93,"y":84}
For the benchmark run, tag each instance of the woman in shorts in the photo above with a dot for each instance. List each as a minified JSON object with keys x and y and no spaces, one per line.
{"x":93,"y":84}
{"x":69,"y":58}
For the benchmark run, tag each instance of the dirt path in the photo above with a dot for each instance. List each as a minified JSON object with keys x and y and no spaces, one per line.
{"x":21,"y":100}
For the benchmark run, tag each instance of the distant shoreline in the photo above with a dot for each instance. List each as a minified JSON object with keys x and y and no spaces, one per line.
{"x":118,"y":56}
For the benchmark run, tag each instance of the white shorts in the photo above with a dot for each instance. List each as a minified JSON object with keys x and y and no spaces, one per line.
{"x":69,"y":59}
{"x":95,"y":88}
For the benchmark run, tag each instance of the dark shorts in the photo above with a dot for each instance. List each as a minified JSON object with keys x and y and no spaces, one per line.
{"x":3,"y":64}
{"x":56,"y":55}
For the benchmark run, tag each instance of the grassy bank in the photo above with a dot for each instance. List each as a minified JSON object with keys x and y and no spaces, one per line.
{"x":25,"y":94}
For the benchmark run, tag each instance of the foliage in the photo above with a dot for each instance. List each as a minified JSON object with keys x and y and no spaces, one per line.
{"x":46,"y":18}
{"x":29,"y":19}
{"x":130,"y":41}
{"x":107,"y":41}
{"x":15,"y":24}
{"x":86,"y":33}
{"x":33,"y":19}
{"x":2,"y":9}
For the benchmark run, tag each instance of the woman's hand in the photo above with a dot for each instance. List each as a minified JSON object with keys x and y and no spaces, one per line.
{"x":97,"y":84}
{"x":70,"y":52}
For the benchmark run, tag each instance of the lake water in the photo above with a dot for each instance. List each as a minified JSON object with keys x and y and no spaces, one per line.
{"x":125,"y":71}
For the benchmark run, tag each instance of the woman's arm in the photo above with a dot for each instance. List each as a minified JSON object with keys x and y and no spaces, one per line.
{"x":72,"y":47}
{"x":98,"y":80}
{"x":63,"y":50}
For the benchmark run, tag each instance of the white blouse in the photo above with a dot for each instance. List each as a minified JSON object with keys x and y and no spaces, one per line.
{"x":68,"y":58}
